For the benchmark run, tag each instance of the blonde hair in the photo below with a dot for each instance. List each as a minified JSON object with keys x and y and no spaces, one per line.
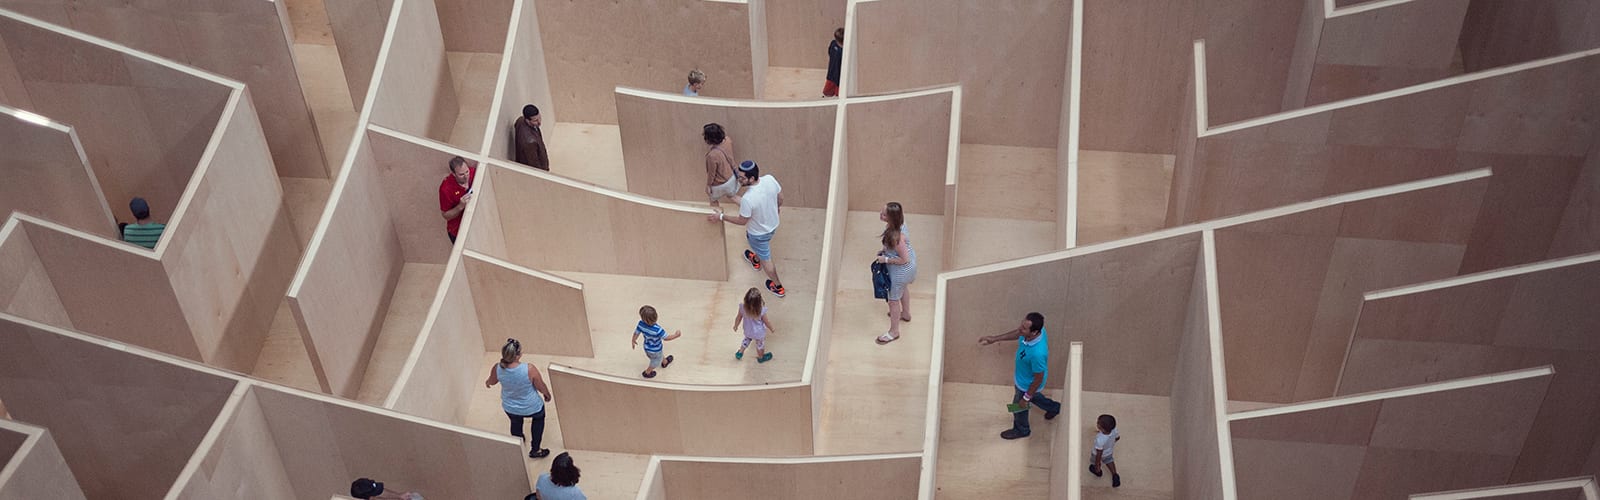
{"x":648,"y":314}
{"x":753,"y":302}
{"x":510,"y":351}
{"x":697,"y":76}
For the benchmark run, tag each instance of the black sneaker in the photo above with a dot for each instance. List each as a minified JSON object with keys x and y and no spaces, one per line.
{"x":1012,"y":434}
{"x":1116,"y":480}
{"x":540,"y":453}
{"x":1051,"y":414}
{"x":1095,"y":470}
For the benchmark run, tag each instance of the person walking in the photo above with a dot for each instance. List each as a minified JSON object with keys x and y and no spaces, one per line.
{"x":758,"y":213}
{"x":518,"y":381}
{"x":1033,"y":364}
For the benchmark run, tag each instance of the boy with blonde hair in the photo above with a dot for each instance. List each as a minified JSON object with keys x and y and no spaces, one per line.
{"x":654,"y":337}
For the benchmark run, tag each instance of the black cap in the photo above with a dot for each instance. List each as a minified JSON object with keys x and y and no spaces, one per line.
{"x":365,"y":488}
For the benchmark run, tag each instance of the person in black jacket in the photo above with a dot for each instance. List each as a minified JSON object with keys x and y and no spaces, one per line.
{"x":835,"y":58}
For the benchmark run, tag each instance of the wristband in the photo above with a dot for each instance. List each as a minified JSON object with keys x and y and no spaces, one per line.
{"x":1027,"y":396}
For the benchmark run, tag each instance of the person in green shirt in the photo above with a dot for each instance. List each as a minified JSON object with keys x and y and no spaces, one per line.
{"x":143,"y":232}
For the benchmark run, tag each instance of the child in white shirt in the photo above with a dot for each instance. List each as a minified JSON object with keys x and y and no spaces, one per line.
{"x":1105,"y":439}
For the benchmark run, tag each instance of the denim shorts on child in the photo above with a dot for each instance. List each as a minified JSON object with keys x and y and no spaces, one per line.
{"x":655,"y":358}
{"x":761,"y":244}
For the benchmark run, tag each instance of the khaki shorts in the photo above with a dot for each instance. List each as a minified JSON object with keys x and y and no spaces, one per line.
{"x":724,"y":190}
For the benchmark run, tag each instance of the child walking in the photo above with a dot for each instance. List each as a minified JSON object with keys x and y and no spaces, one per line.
{"x":753,"y":315}
{"x":1105,"y":439}
{"x":654,"y":337}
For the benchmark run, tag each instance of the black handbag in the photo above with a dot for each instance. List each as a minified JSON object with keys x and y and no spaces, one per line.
{"x":880,"y":280}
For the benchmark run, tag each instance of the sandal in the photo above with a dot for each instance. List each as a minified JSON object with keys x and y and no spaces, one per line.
{"x":667,"y":361}
{"x":764,"y":358}
{"x":648,"y":374}
{"x":750,"y":257}
{"x":885,"y":338}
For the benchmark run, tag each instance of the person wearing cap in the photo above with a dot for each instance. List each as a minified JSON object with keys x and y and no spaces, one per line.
{"x":529,"y":141}
{"x":367,"y":489}
{"x":758,"y":213}
{"x":455,"y":191}
{"x":143,"y":232}
{"x":561,"y":483}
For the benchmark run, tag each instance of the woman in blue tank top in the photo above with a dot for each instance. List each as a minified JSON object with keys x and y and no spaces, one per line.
{"x":518,"y":381}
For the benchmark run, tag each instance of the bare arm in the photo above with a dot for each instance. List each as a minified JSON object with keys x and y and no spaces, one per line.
{"x":675,"y":334}
{"x":494,"y":378}
{"x":737,"y":315}
{"x":903,"y":251}
{"x":538,"y":381}
{"x":711,"y":169}
{"x":455,"y":211}
{"x":635,"y":340}
{"x":731,"y":219}
{"x":1033,"y":387}
{"x":1000,"y":337}
{"x":764,"y":321}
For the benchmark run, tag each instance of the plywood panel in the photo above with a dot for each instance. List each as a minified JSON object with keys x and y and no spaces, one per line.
{"x":60,"y":186}
{"x":163,"y":410}
{"x":1522,"y":210}
{"x":587,"y":59}
{"x":1278,"y":469}
{"x":409,"y":172}
{"x":489,"y":237}
{"x":414,"y":93}
{"x":358,"y":26}
{"x":1126,"y":305}
{"x":527,"y":81}
{"x":435,"y":381}
{"x":244,"y":458}
{"x":37,"y":469}
{"x":664,"y":153}
{"x":1270,"y":286}
{"x":25,"y":287}
{"x":1580,"y":224}
{"x":232,"y":252}
{"x":1395,"y":473}
{"x":846,"y":478}
{"x":1414,"y":34}
{"x":798,"y":32}
{"x":342,"y":296}
{"x":331,"y":442}
{"x":540,"y":233}
{"x":1249,"y":47}
{"x":901,"y":45}
{"x":474,"y":25}
{"x":701,"y":420}
{"x":509,"y":299}
{"x":899,"y":151}
{"x":1550,"y":310}
{"x":1492,"y":420}
{"x":126,"y":285}
{"x":1502,"y":32}
{"x":1197,"y":467}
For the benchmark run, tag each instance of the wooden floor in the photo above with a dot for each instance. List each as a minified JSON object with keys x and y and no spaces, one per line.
{"x":473,"y":74}
{"x":793,"y":84}
{"x":1121,"y":194}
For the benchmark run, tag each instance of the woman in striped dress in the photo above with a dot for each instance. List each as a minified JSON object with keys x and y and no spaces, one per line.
{"x":902,"y":261}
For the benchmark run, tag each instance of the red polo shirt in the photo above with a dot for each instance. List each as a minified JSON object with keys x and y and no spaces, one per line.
{"x":450,"y":194}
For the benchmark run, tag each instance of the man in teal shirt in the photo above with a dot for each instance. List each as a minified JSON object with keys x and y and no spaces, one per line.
{"x":1033,"y":362}
{"x":143,"y":231}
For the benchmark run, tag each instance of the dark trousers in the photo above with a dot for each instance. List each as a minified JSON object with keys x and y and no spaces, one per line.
{"x":537,"y":428}
{"x":1019,"y":420}
{"x":452,"y":237}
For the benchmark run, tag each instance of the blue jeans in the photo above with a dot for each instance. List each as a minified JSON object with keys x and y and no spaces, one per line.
{"x":536,"y":437}
{"x":1019,"y":420}
{"x":761,"y":244}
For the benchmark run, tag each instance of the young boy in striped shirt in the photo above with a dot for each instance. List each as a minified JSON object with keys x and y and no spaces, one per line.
{"x":654,"y":337}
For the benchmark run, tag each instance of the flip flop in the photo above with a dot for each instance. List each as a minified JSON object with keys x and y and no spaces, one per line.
{"x":648,"y":374}
{"x":667,"y":361}
{"x":885,"y":339}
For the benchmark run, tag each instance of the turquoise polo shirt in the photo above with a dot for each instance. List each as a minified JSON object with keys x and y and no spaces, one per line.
{"x":1032,"y":358}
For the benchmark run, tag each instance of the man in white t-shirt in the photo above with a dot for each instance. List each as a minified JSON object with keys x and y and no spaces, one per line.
{"x":758,"y":213}
{"x":1105,"y":440}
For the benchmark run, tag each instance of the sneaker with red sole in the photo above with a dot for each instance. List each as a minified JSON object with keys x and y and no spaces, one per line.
{"x":776,"y":289}
{"x":750,"y":257}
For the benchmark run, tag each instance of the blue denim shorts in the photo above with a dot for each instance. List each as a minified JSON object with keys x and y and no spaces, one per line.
{"x":761,"y":244}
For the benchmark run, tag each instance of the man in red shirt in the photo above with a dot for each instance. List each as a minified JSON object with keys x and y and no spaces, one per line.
{"x":454,"y":194}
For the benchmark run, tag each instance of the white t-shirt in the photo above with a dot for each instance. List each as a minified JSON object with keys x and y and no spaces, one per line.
{"x":760,"y":205}
{"x":1105,"y":442}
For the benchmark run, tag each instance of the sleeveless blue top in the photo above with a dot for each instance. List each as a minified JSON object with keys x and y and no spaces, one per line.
{"x":517,"y":396}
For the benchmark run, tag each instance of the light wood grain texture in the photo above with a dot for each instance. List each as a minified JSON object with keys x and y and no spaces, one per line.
{"x":410,"y":171}
{"x":244,"y":458}
{"x":664,"y":153}
{"x":443,"y":359}
{"x":62,"y":187}
{"x":325,"y":443}
{"x":537,"y":308}
{"x":587,"y":59}
{"x":246,"y":41}
{"x":1580,"y":225}
{"x":1126,"y":304}
{"x":359,"y":27}
{"x":1400,"y":44}
{"x":798,"y":33}
{"x":34,"y":467}
{"x":342,"y":291}
{"x":414,"y":93}
{"x":474,"y":25}
{"x":899,"y":151}
{"x":848,"y":477}
{"x":25,"y":287}
{"x":625,"y":234}
{"x":526,"y":81}
{"x":1197,"y":465}
{"x":1501,"y":32}
{"x":163,"y":410}
{"x":490,"y":237}
{"x":734,"y":421}
{"x":915,"y":44}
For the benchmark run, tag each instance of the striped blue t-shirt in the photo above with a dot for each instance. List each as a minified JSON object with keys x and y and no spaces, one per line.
{"x":652,"y":335}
